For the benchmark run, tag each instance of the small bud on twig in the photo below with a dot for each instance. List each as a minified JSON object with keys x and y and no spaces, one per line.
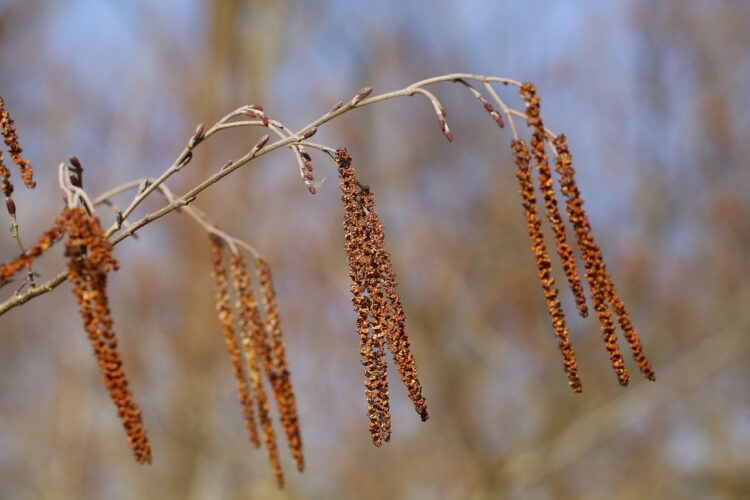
{"x":10,"y":205}
{"x":228,"y":164}
{"x":256,"y":111}
{"x":261,"y":142}
{"x":77,"y":178}
{"x":187,"y":159}
{"x":361,"y":94}
{"x":309,"y":133}
{"x":336,"y":107}
{"x":444,"y":127}
{"x":198,"y":136}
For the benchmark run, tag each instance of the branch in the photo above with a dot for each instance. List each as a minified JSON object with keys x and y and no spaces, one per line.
{"x":294,"y":140}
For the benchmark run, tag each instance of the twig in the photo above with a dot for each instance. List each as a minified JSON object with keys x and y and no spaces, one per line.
{"x":293,"y":140}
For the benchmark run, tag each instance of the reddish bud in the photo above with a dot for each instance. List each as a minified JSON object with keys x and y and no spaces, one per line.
{"x":10,"y":205}
{"x":75,"y":162}
{"x":228,"y":164}
{"x":442,"y":112}
{"x":309,"y":166}
{"x":311,"y":189}
{"x":187,"y":159}
{"x":305,"y":155}
{"x":309,"y":177}
{"x":256,"y":106}
{"x":309,"y":133}
{"x":448,"y":135}
{"x":262,"y":141}
{"x":198,"y":135}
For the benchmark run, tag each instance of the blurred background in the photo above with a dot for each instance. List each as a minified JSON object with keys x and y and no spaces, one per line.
{"x":650,"y":95}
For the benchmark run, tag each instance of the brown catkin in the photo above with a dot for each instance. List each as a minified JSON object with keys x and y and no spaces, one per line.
{"x":369,"y":301}
{"x":8,"y":131}
{"x":398,"y":340}
{"x":546,"y":186}
{"x":254,"y":343}
{"x":277,"y":365}
{"x":544,"y":265}
{"x":45,"y":243}
{"x":596,"y":270}
{"x":90,"y":259}
{"x":7,"y":185}
{"x":593,"y":263}
{"x":226,"y":319}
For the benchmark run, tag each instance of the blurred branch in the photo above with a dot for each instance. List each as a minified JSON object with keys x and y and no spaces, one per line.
{"x":527,"y":468}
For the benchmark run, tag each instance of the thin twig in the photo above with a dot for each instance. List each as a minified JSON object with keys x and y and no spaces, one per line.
{"x":293,"y":140}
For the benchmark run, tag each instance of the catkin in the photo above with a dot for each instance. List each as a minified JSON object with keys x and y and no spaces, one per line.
{"x":44,"y":243}
{"x":254,"y":343}
{"x":226,"y":319}
{"x":534,"y":225}
{"x":8,"y":131}
{"x":277,"y":366}
{"x":380,"y":317}
{"x":369,"y":303}
{"x":596,"y":271}
{"x":398,"y":340}
{"x":546,"y":186}
{"x":5,"y":182}
{"x":89,"y":260}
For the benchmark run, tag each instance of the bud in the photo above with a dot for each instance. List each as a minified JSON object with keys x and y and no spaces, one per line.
{"x":198,"y":135}
{"x":187,"y":159}
{"x":75,"y":162}
{"x":309,"y":133}
{"x":311,"y":189}
{"x":336,"y":107}
{"x":262,"y":141}
{"x":10,"y":205}
{"x":228,"y":164}
{"x":361,"y":94}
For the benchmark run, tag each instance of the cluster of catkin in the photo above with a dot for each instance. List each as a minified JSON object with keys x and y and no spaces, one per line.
{"x":603,"y":293}
{"x":379,"y":313}
{"x":10,"y":137}
{"x":262,"y":346}
{"x":90,"y":258}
